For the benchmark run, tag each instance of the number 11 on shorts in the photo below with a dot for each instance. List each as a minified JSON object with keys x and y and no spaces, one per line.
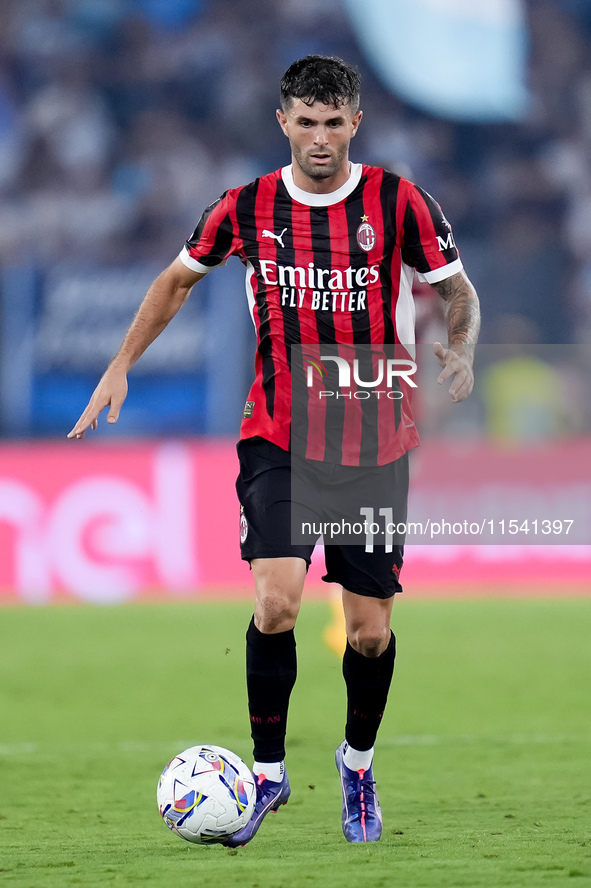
{"x":372,"y":527}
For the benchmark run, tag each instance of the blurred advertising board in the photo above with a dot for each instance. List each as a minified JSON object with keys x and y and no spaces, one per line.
{"x":60,"y":328}
{"x":108,"y":523}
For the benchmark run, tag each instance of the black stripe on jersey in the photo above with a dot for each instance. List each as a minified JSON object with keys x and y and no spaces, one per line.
{"x":282,"y":218}
{"x":360,"y":320}
{"x":411,"y":240}
{"x":362,"y":333}
{"x":223,"y":237}
{"x":335,"y":412}
{"x":320,"y":235}
{"x":441,"y":226}
{"x":388,"y":200}
{"x":245,"y":215}
{"x":196,"y":236}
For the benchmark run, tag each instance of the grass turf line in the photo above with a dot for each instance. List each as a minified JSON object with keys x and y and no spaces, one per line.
{"x":482,"y":759}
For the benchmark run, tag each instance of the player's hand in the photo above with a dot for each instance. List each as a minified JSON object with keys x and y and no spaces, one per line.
{"x":457,"y":362}
{"x":111,"y":391}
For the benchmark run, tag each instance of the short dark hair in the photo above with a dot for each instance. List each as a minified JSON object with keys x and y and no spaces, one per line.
{"x":318,"y":78}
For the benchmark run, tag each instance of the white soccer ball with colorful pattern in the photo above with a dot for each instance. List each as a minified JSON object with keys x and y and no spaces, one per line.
{"x":206,"y":794}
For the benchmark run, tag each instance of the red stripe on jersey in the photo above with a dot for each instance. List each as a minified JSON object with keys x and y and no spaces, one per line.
{"x":268,"y":248}
{"x":265,"y":425}
{"x":302,"y":244}
{"x":237,"y":240}
{"x":373,"y":207}
{"x":274,"y":427}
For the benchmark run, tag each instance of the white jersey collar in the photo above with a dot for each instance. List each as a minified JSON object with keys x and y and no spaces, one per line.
{"x":321,"y":200}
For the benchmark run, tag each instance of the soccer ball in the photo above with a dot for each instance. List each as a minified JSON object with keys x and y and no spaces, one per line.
{"x":206,"y":794}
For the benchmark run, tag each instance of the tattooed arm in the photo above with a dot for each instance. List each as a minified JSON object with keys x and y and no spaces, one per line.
{"x":462,"y":314}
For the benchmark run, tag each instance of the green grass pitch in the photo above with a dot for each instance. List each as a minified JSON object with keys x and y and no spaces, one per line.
{"x":483,"y":760}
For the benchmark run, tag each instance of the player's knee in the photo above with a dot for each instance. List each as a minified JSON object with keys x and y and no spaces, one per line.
{"x":275,"y":612}
{"x":272,"y":620}
{"x":369,"y":641}
{"x":278,"y":594}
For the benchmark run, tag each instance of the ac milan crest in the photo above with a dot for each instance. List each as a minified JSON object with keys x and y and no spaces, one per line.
{"x":243,"y":525}
{"x":366,"y":236}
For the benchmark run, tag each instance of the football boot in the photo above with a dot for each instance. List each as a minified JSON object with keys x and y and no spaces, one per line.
{"x":362,"y":815}
{"x":270,"y":797}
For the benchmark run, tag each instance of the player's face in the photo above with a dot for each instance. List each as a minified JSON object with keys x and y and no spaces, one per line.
{"x":319,"y":137}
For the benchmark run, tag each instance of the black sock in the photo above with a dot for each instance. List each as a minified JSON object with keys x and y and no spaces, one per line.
{"x":271,"y":669}
{"x":368,"y":682}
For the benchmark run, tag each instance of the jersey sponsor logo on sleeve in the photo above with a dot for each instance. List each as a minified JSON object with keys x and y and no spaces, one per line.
{"x":446,"y":244}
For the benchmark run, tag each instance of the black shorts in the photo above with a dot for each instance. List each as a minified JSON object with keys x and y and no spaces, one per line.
{"x":264,"y":488}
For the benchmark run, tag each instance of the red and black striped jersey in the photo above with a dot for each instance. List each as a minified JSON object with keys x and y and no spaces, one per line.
{"x":331,"y":268}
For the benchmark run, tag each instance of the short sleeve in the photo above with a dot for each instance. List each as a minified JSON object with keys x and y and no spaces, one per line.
{"x":213,"y":240}
{"x":427,"y":240}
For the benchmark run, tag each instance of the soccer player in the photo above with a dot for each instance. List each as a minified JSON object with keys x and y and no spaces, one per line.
{"x":330,"y":248}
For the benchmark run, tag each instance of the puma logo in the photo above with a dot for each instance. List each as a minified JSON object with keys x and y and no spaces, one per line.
{"x":277,"y":237}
